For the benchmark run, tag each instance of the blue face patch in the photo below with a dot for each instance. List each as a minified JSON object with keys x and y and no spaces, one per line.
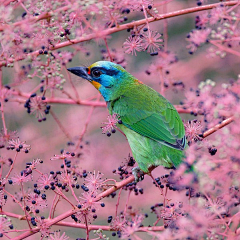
{"x":109,"y":78}
{"x":104,"y":76}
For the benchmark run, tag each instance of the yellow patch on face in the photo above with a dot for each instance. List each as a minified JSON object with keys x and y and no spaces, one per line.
{"x":97,"y":85}
{"x":94,"y":65}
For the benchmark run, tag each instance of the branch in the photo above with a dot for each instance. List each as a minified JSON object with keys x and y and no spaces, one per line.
{"x":179,"y":108}
{"x":60,"y":100}
{"x":73,"y":211}
{"x":217,"y":127}
{"x":106,"y":228}
{"x":111,"y":30}
{"x":225,"y":49}
{"x":1,"y":106}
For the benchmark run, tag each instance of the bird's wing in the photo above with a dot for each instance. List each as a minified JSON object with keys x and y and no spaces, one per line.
{"x":152,"y":116}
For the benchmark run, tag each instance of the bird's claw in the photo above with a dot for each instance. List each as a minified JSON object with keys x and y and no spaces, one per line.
{"x":138,"y":174}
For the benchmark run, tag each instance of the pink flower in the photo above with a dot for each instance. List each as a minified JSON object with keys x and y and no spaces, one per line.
{"x":202,"y":20}
{"x":34,"y":201}
{"x":117,"y":56}
{"x":64,"y":155}
{"x":193,"y":130}
{"x":44,"y":227}
{"x":2,"y":194}
{"x":67,"y":179}
{"x":5,"y":224}
{"x":58,"y":236}
{"x":21,"y":178}
{"x":18,"y":145}
{"x":132,"y":226}
{"x":45,"y":180}
{"x":197,"y":38}
{"x":133,"y":45}
{"x":38,"y":107}
{"x":5,"y":138}
{"x":112,"y":18}
{"x":146,"y":3}
{"x":111,"y":124}
{"x":94,"y":181}
{"x":118,"y":223}
{"x":218,"y":13}
{"x":151,"y":41}
{"x":88,"y":199}
{"x":83,"y":215}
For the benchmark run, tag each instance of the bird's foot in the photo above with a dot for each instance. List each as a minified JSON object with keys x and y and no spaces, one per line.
{"x":138,"y":174}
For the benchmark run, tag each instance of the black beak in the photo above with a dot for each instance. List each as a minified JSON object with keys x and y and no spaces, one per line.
{"x":81,"y":72}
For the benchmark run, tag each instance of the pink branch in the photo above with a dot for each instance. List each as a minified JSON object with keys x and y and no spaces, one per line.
{"x":225,"y":49}
{"x":218,"y":126}
{"x":111,"y":30}
{"x":74,"y":210}
{"x":1,"y":102}
{"x":97,"y":103}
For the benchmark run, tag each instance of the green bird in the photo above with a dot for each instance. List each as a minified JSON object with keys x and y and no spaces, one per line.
{"x":152,"y":125}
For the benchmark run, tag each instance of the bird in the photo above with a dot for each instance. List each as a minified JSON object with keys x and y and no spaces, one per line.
{"x":152,"y":125}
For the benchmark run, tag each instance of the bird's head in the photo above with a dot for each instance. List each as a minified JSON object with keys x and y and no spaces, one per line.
{"x":109,"y":78}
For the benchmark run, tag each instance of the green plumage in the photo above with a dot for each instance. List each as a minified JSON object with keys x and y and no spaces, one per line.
{"x":151,"y":124}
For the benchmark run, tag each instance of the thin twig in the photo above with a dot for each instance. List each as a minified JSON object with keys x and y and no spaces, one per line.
{"x":73,"y":87}
{"x":218,"y":126}
{"x":1,"y":101}
{"x":11,"y":168}
{"x":86,"y":227}
{"x":86,"y":123}
{"x":60,"y":125}
{"x":118,"y":201}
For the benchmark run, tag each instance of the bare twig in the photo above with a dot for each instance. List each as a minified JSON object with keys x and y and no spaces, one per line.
{"x":218,"y":126}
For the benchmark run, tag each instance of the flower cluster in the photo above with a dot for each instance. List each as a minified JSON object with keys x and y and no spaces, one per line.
{"x":219,"y":27}
{"x":110,"y":126}
{"x":37,"y":106}
{"x":148,"y":40}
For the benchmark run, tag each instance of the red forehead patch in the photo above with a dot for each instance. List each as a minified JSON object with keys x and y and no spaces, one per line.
{"x":88,"y":71}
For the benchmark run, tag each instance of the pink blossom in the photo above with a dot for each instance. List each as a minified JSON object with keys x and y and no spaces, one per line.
{"x":118,"y":223}
{"x":57,"y":236}
{"x":88,"y":199}
{"x":2,"y":194}
{"x":44,"y":227}
{"x":38,"y":107}
{"x":21,"y":178}
{"x":18,"y":145}
{"x":133,"y":45}
{"x":94,"y":181}
{"x":5,"y":224}
{"x":193,"y":129}
{"x":44,"y":180}
{"x":197,"y":38}
{"x":64,"y":155}
{"x":151,"y":41}
{"x":35,"y":202}
{"x":132,"y":226}
{"x":111,"y":124}
{"x":5,"y":138}
{"x":84,"y":215}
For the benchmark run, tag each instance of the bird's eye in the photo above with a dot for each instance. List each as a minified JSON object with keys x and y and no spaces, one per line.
{"x":96,"y":73}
